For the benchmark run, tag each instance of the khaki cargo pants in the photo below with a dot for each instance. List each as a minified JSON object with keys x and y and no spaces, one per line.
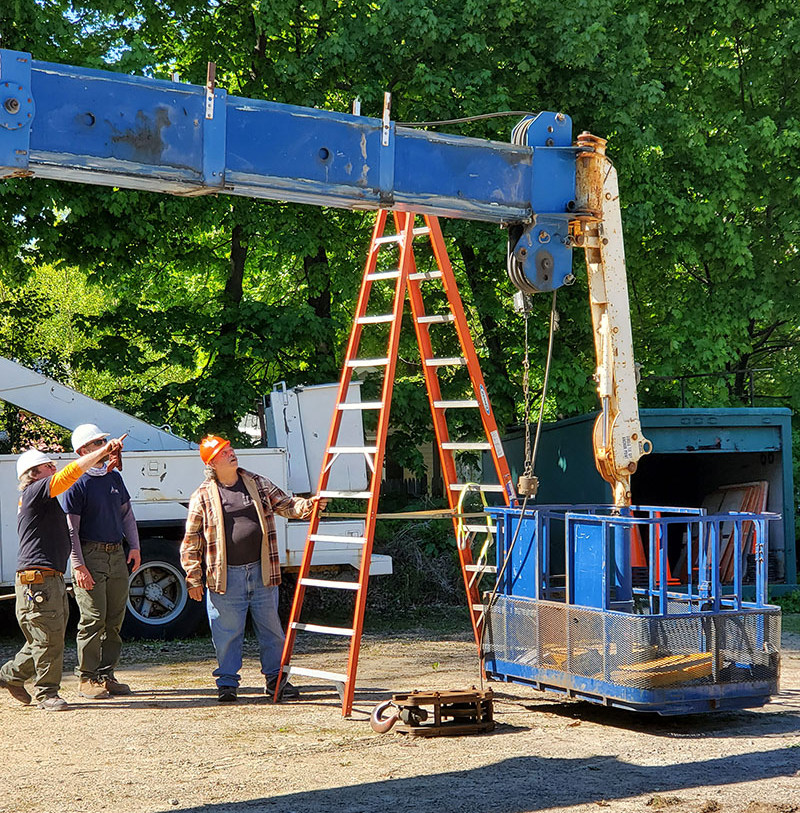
{"x":102,"y":610}
{"x":42,"y":612}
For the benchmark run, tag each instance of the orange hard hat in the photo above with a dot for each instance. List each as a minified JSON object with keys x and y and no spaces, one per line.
{"x":211,"y":446}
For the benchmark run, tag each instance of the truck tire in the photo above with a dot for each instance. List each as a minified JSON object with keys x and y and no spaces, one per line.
{"x":159,"y":606}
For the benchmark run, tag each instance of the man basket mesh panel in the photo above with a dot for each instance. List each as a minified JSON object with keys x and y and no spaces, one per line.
{"x":637,"y":651}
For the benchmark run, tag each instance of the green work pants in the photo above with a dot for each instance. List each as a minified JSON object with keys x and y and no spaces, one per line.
{"x":102,"y":611}
{"x":42,"y":612}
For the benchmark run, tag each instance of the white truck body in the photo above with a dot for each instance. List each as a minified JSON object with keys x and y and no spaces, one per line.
{"x":163,"y":470}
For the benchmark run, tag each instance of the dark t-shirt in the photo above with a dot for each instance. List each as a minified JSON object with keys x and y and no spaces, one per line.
{"x":243,"y":532}
{"x":98,"y":502}
{"x":42,"y":529}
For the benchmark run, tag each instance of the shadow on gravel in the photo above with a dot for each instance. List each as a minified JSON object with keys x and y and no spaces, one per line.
{"x":522,"y":784}
{"x":737,"y":724}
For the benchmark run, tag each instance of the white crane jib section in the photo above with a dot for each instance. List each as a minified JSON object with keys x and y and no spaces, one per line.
{"x":64,"y":406}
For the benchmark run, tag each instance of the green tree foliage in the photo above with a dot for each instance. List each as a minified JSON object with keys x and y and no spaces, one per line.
{"x":211,"y":300}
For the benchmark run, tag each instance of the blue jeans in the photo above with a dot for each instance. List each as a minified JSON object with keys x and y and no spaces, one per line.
{"x":227,"y":613}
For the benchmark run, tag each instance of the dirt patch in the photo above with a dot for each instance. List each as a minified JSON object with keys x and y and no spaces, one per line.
{"x":172,"y":747}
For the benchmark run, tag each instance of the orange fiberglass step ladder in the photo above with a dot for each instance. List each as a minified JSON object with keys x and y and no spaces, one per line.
{"x":404,"y":278}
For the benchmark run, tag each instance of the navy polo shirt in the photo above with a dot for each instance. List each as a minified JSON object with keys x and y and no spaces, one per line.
{"x":98,"y":502}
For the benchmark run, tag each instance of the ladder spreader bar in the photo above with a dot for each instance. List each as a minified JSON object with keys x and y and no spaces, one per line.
{"x":330,"y":583}
{"x":344,"y":631}
{"x":476,"y":446}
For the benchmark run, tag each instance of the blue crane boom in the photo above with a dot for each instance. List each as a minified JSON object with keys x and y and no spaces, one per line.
{"x":91,"y":126}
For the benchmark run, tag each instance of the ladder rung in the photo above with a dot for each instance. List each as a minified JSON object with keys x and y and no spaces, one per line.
{"x":388,"y":238}
{"x":345,"y":631}
{"x":467,"y":404}
{"x":361,"y":405}
{"x":480,"y":568}
{"x":315,"y":673}
{"x":426,"y":275}
{"x":331,"y":583}
{"x":384,"y":274}
{"x":344,"y":540}
{"x":368,"y":363}
{"x":494,"y":489}
{"x":375,"y":320}
{"x":354,"y":449}
{"x":420,"y":230}
{"x":477,"y":529}
{"x":436,"y":319}
{"x":352,"y":495}
{"x":477,"y":446}
{"x":453,"y":361}
{"x":478,"y":607}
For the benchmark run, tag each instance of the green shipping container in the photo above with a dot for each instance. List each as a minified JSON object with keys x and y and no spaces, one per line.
{"x":695,"y":451}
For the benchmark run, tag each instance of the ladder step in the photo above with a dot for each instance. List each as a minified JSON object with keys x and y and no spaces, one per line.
{"x":315,"y":673}
{"x":494,"y":489}
{"x":426,"y":275}
{"x":436,"y":319}
{"x":478,"y":529}
{"x":384,"y":274}
{"x":345,"y":631}
{"x":467,"y":404}
{"x":478,"y":607}
{"x":338,"y":538}
{"x":375,"y":320}
{"x":368,"y":363}
{"x":477,"y":446}
{"x":388,"y":238}
{"x":453,"y":361}
{"x":352,"y":495}
{"x":330,"y":583}
{"x":361,"y":405}
{"x":354,"y":449}
{"x":480,"y":568}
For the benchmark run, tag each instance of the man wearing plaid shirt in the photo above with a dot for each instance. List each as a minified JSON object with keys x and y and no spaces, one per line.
{"x":231,"y":529}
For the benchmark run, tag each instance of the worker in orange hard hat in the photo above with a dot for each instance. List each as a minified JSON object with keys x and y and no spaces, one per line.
{"x":230,"y":528}
{"x":211,"y":446}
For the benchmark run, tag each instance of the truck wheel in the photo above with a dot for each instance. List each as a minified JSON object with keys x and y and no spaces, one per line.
{"x":158,"y":602}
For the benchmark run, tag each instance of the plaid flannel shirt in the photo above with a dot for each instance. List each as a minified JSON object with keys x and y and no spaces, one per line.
{"x":204,"y":540}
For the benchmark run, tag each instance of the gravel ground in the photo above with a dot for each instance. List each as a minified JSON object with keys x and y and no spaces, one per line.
{"x":172,"y":747}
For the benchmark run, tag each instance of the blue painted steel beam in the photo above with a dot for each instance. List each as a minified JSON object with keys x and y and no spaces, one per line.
{"x":78,"y":124}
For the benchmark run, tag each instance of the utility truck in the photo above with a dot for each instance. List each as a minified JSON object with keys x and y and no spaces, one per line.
{"x":161,"y":470}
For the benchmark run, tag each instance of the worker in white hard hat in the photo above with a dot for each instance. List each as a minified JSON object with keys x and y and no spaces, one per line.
{"x":98,"y":509}
{"x":44,"y":549}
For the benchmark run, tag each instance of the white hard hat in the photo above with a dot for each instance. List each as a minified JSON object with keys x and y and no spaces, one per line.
{"x":86,"y":433}
{"x":29,"y":460}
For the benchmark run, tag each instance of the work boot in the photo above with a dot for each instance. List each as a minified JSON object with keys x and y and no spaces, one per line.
{"x":54,"y":703}
{"x":287,"y":691}
{"x":113,"y":686}
{"x":17,"y":691}
{"x":226,"y":694}
{"x":93,"y":689}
